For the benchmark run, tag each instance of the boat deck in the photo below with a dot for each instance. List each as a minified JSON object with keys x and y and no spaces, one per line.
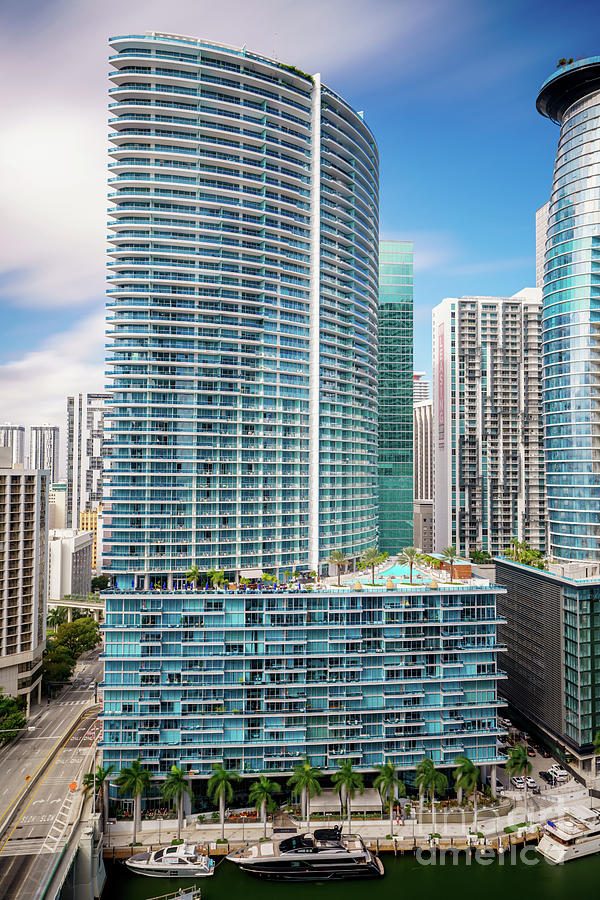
{"x":574,"y":823}
{"x":269,"y":849}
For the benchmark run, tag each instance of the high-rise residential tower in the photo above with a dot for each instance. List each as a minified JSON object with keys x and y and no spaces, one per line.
{"x":85,"y":453}
{"x":571,"y":313}
{"x":487,"y":424}
{"x":395,"y":395}
{"x":23,"y":562}
{"x":242,"y":314}
{"x":43,"y":449}
{"x":423,"y":475}
{"x":421,"y":387}
{"x":13,"y":436}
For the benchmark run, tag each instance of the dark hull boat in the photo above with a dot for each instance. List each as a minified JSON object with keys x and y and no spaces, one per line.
{"x":325,"y":856}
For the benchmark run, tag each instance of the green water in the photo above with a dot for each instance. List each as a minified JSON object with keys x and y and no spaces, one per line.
{"x":404,"y":877}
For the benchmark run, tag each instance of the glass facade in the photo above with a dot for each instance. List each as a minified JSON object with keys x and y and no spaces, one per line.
{"x":260,"y":679}
{"x":395,"y":481}
{"x":488,"y":432}
{"x":242,"y":356}
{"x":571,"y":314}
{"x":242,"y":434}
{"x":552,"y":630}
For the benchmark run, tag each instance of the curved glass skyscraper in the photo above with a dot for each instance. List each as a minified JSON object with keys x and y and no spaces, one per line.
{"x":242,"y":315}
{"x":571,"y":313}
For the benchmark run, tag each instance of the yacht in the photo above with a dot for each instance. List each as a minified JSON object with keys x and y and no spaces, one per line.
{"x":325,"y":855}
{"x":182,"y":861}
{"x":572,"y":835}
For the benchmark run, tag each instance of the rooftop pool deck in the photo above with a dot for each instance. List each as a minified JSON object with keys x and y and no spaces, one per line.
{"x":399,"y":575}
{"x":396,"y":572}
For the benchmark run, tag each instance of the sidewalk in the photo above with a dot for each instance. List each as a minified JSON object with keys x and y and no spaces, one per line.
{"x":119,"y":834}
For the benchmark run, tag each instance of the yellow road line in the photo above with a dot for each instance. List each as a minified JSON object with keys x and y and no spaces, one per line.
{"x":49,"y":769}
{"x":64,"y":737}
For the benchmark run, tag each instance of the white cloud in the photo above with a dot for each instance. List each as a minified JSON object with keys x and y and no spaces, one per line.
{"x":53,"y":149}
{"x":34,"y":388}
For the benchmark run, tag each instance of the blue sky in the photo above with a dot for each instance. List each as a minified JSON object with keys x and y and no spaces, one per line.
{"x":448,"y":87}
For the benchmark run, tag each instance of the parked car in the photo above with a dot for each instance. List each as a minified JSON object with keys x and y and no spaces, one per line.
{"x":558,"y":772}
{"x":531,"y":751}
{"x":544,"y":752}
{"x":547,"y":777}
{"x":518,"y":782}
{"x":531,"y":783}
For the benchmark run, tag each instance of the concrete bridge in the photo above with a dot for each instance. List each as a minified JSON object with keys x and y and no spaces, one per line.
{"x":96,"y":607}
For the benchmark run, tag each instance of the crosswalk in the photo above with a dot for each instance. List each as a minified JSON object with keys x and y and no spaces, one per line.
{"x":55,"y":839}
{"x":72,"y":702}
{"x":31,"y":847}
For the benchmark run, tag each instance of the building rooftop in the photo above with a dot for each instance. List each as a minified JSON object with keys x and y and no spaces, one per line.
{"x":567,"y":85}
{"x":571,"y":572}
{"x":393,"y":579}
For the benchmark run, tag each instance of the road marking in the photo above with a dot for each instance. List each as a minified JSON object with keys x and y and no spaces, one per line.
{"x":64,"y":737}
{"x":43,"y":778}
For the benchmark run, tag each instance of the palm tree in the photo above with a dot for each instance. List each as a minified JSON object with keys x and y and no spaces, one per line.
{"x":369,"y":559}
{"x":430,"y":779}
{"x":268,"y":577}
{"x":192,"y":576}
{"x":215,"y":576}
{"x":306,"y":782}
{"x":338,"y":560}
{"x":347,"y":781}
{"x":134,"y":780}
{"x":56,"y":617}
{"x":409,"y":556}
{"x":466,"y":776}
{"x":518,"y":764}
{"x":389,"y":786}
{"x":220,"y":789}
{"x":175,"y":788}
{"x":261,"y":795}
{"x":100,"y":781}
{"x":449,"y":555}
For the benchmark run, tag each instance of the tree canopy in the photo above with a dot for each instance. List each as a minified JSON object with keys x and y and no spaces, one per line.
{"x":78,"y":636}
{"x":11,"y":718}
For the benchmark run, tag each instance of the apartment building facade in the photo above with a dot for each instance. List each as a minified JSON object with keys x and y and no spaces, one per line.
{"x":487,"y":425}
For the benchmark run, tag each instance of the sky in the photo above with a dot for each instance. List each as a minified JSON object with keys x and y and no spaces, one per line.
{"x":447,"y":86}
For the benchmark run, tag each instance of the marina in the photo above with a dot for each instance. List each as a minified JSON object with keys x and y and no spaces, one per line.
{"x":526,"y":875}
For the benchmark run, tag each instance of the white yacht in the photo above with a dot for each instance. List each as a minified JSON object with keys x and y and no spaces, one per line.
{"x":325,"y":855}
{"x":182,"y":861}
{"x":572,"y":835}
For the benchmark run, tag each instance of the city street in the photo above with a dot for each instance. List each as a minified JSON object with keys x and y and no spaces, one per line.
{"x":21,"y":759}
{"x":36,"y":823}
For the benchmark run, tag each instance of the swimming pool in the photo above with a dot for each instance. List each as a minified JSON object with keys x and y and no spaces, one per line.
{"x":397,"y":572}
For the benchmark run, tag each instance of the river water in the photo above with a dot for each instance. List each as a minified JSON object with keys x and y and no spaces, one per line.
{"x":520,"y":877}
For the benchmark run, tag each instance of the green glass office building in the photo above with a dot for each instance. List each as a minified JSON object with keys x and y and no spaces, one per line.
{"x":395,"y":472}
